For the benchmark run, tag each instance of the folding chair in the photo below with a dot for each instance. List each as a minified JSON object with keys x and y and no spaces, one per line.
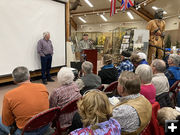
{"x":69,"y":108}
{"x":111,"y":87}
{"x":153,"y":127}
{"x":173,"y":91}
{"x":101,"y":87}
{"x":40,"y":120}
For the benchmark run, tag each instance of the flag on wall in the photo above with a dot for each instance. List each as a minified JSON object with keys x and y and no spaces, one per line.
{"x":113,"y":7}
{"x":125,"y":4}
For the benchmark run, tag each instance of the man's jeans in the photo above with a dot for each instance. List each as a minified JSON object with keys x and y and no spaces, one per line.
{"x":5,"y":130}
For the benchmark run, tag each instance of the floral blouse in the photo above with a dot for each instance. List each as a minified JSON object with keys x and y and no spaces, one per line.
{"x":110,"y":127}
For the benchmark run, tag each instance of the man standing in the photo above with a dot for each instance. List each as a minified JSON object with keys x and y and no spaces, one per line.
{"x":45,"y":50}
{"x":22,"y":103}
{"x":156,"y":28}
{"x":85,"y":43}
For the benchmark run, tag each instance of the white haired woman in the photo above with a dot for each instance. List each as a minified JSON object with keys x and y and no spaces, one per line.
{"x":147,"y":88}
{"x":66,"y":92}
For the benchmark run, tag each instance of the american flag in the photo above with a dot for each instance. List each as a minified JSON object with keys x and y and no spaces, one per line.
{"x":125,"y":4}
{"x":113,"y":7}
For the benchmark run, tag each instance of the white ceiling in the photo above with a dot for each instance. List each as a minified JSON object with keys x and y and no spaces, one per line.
{"x":172,"y":7}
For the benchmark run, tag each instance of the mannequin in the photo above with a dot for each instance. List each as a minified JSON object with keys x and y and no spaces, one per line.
{"x":156,"y":42}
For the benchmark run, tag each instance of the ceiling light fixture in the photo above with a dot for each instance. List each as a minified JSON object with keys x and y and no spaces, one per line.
{"x":80,"y":18}
{"x":103,"y":17}
{"x":155,"y":8}
{"x":130,"y":15}
{"x":89,"y":3}
{"x":164,"y":12}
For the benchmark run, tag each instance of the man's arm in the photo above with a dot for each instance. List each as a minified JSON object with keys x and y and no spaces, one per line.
{"x":40,"y":48}
{"x":7,"y":116}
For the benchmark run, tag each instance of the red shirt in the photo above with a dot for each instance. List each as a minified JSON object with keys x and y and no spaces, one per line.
{"x":149,"y":91}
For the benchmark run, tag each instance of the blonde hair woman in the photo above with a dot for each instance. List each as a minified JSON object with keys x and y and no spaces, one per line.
{"x":95,"y":111}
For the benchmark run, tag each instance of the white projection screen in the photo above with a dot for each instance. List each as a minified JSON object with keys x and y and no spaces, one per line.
{"x":22,"y":23}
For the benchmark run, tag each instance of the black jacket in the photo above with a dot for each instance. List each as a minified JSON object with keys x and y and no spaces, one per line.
{"x":108,"y":75}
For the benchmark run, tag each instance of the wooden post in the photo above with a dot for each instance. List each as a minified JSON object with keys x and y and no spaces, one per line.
{"x":67,"y":21}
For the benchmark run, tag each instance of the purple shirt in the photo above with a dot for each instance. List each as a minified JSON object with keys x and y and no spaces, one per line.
{"x":110,"y":127}
{"x":149,"y":91}
{"x":44,"y":47}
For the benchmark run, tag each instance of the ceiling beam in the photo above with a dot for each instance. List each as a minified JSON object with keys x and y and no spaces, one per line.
{"x":91,"y":11}
{"x":142,"y":12}
{"x":73,"y":23}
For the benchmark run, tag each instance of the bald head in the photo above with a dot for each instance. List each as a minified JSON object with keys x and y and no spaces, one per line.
{"x":158,"y":65}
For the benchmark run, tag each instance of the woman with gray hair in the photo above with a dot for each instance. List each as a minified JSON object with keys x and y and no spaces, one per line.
{"x":147,"y":88}
{"x":66,"y":92}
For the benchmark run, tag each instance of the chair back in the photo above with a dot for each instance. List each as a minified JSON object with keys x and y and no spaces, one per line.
{"x":173,"y":91}
{"x":111,"y":87}
{"x":153,"y":127}
{"x":101,"y":87}
{"x":69,"y":108}
{"x":41,"y":119}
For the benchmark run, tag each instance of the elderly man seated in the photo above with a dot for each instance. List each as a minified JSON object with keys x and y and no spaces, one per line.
{"x":173,"y":72}
{"x":88,"y":80}
{"x":134,"y":111}
{"x":160,"y":82}
{"x":22,"y":103}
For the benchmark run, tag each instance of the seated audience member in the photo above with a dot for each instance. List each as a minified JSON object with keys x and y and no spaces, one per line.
{"x":138,"y":59}
{"x":22,"y":103}
{"x":173,"y":72}
{"x":147,"y":88}
{"x":167,"y":113}
{"x":143,"y":58}
{"x":161,"y":83}
{"x":89,"y":80}
{"x":95,"y":111}
{"x":65,"y":93}
{"x":108,"y":72}
{"x":167,"y":53}
{"x":125,"y":65}
{"x":134,"y":111}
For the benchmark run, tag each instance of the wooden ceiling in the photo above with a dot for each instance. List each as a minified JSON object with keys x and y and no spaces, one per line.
{"x":91,"y":15}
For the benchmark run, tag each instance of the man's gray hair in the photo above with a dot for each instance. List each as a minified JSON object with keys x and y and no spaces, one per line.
{"x":65,"y":76}
{"x":175,"y":59}
{"x":145,"y":73}
{"x":159,"y":65}
{"x":87,"y":67}
{"x":45,"y":33}
{"x":20,"y":74}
